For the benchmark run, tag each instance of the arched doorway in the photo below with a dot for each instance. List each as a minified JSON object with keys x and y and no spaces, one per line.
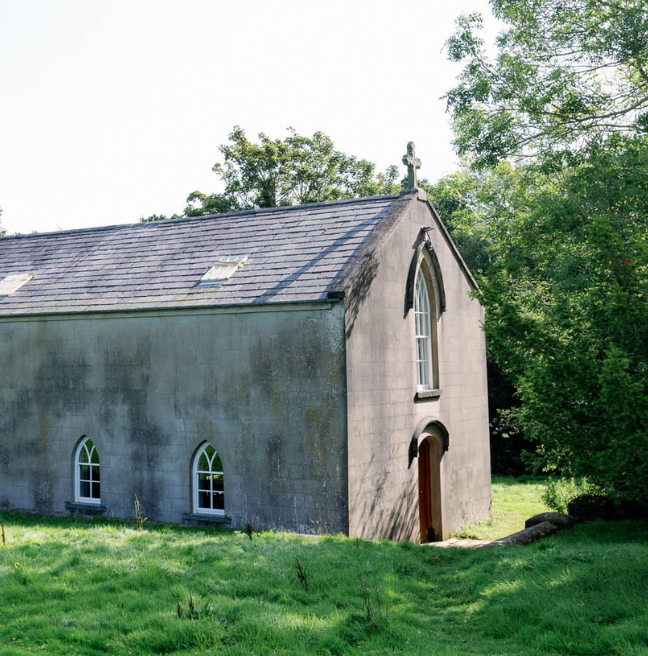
{"x":429,"y":479}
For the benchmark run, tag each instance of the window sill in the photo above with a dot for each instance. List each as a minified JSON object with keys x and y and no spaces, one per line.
{"x":424,"y":395}
{"x":205,"y":520}
{"x":78,"y":508}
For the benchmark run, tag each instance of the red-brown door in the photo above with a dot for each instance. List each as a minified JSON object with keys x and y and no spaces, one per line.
{"x":425,"y":507}
{"x":430,"y":490}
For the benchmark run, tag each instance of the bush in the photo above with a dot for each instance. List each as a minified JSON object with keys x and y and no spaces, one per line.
{"x":560,"y":491}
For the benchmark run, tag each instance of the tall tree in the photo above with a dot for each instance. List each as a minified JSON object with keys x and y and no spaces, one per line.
{"x":294,"y":170}
{"x":566,"y":73}
{"x":469,"y":203}
{"x":567,"y":311}
{"x":566,"y":282}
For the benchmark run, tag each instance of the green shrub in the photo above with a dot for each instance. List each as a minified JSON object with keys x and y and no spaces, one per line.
{"x":560,"y":491}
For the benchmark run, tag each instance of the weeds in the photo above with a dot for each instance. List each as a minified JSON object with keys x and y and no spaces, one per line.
{"x":192,"y":612}
{"x":138,"y":514}
{"x":302,"y":576}
{"x":4,"y":539}
{"x":373,"y":607}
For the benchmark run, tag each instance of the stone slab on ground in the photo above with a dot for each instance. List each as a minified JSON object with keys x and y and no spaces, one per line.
{"x":462,"y":543}
{"x":527,"y":535}
{"x":521,"y":537}
{"x":555,"y":518}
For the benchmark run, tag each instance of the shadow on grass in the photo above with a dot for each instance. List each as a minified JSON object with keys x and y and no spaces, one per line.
{"x":9,"y":518}
{"x":580,"y":592}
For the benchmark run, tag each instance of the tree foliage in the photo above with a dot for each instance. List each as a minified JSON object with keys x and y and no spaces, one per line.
{"x":561,"y":228}
{"x":567,"y":311}
{"x":566,"y":73}
{"x":294,"y":170}
{"x":463,"y":200}
{"x":469,"y":202}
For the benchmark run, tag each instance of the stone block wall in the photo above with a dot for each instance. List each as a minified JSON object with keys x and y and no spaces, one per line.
{"x":382,"y":385}
{"x":266,"y":386}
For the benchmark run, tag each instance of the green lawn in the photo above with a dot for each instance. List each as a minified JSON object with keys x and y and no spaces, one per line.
{"x":514,"y":501}
{"x":74,"y":587}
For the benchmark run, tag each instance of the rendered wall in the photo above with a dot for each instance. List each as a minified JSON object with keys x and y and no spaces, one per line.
{"x":383,"y":413}
{"x":266,"y":386}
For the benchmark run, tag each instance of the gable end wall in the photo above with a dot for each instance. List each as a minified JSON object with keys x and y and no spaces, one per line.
{"x":381,"y":380}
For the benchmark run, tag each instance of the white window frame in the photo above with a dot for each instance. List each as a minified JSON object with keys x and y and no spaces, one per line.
{"x":81,"y":449}
{"x":424,"y":335}
{"x":198,"y":510}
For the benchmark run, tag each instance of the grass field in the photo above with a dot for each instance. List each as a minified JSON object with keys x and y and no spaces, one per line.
{"x":75,"y":587}
{"x":514,"y":501}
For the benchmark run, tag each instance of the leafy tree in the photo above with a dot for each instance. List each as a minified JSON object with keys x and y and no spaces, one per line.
{"x":566,"y":73}
{"x":565,"y":281}
{"x":469,"y":202}
{"x":463,"y":199}
{"x":295,"y":170}
{"x":567,"y":312}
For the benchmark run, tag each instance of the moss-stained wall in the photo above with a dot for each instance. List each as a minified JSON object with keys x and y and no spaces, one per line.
{"x":383,"y":411}
{"x":266,"y":386}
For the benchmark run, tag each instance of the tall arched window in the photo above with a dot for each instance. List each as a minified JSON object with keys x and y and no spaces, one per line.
{"x":87,"y":479}
{"x":423,"y":316}
{"x":209,"y":491}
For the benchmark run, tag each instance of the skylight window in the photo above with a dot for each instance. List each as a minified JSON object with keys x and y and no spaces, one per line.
{"x":13,"y":282}
{"x":224,"y":268}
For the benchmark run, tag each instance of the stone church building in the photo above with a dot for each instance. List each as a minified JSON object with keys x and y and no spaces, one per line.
{"x":315,"y":368}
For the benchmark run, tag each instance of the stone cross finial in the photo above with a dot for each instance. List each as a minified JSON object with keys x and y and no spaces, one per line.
{"x":412,"y":164}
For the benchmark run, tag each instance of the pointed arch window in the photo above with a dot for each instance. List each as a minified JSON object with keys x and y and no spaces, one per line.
{"x":209,"y":488}
{"x":87,"y":473}
{"x":424,"y":316}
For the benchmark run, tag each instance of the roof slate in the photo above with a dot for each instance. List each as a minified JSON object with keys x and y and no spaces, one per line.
{"x":294,"y":254}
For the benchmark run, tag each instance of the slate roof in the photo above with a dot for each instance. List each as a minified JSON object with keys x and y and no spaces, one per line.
{"x":294,"y":254}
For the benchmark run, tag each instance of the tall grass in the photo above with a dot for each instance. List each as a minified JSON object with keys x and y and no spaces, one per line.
{"x":79,"y":588}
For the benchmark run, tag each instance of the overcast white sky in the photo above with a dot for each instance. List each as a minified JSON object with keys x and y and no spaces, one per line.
{"x":114,"y":109}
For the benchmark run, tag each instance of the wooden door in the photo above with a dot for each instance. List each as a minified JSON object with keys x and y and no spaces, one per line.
{"x":425,"y":507}
{"x":430,"y":490}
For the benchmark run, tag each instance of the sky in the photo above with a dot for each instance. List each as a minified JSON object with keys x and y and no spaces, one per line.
{"x":112,"y":110}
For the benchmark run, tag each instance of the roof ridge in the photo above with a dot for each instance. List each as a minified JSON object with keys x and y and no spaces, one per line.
{"x":189,"y":219}
{"x":295,"y":252}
